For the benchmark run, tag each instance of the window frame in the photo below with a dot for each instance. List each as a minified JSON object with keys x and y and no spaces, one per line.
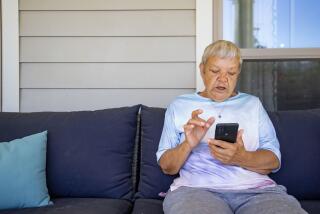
{"x":0,"y":56}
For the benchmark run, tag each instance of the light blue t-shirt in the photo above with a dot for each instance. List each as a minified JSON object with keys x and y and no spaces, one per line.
{"x":201,"y":169}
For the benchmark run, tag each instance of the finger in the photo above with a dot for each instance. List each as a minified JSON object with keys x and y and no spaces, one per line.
{"x":220,"y":152}
{"x":195,"y":113}
{"x":209,"y":122}
{"x":239,"y":137}
{"x":188,"y":128}
{"x":218,"y":156}
{"x":197,"y":122}
{"x":215,"y":148}
{"x":221,"y":143}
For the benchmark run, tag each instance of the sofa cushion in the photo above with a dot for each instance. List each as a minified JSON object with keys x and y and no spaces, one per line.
{"x":89,"y":152}
{"x":79,"y":206}
{"x":23,"y":172}
{"x":299,"y":134}
{"x":153,"y":206}
{"x":152,"y":179}
{"x":311,"y":206}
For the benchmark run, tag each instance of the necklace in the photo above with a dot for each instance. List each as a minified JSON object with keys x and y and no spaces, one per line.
{"x":220,"y":113}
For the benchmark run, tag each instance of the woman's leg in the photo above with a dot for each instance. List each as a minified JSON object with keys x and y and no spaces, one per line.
{"x":275,"y":201}
{"x":187,"y":200}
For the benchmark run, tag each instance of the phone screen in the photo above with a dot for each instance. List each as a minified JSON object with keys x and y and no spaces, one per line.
{"x":227,"y":132}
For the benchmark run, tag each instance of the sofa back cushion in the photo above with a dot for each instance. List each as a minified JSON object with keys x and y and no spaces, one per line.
{"x":152,"y":180}
{"x":299,"y":136}
{"x":89,"y":153}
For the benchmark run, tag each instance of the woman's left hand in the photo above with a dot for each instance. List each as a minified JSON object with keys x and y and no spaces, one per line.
{"x":228,"y":153}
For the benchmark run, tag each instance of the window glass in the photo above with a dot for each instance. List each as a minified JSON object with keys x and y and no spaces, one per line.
{"x":272,"y":23}
{"x":282,"y":85}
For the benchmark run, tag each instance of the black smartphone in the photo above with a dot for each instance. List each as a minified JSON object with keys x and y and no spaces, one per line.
{"x":227,"y":132}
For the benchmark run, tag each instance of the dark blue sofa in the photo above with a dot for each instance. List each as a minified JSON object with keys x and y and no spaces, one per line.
{"x":104,"y":161}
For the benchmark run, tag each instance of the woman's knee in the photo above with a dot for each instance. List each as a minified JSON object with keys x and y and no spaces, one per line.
{"x":275,"y":203}
{"x":194,"y":201}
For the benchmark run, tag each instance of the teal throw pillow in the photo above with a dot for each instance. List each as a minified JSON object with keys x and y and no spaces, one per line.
{"x":23,"y":172}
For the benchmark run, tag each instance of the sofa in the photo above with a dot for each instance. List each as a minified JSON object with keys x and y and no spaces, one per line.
{"x":104,"y":161}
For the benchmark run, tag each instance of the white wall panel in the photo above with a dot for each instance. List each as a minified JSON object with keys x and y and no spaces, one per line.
{"x":105,"y":4}
{"x":84,"y":99}
{"x":108,"y":23}
{"x":107,"y":75}
{"x":107,"y":49}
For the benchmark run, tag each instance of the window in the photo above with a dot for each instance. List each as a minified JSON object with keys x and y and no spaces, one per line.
{"x":272,"y":23}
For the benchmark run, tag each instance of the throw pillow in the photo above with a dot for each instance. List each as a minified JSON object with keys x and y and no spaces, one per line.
{"x":23,"y":172}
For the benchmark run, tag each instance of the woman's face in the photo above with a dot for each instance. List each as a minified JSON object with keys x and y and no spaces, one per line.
{"x":220,"y":77}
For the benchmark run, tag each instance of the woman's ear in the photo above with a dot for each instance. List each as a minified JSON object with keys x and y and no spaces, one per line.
{"x":202,"y":71}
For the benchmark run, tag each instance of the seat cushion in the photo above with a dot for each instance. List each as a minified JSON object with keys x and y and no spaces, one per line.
{"x":152,"y":179}
{"x":299,"y":134}
{"x":311,"y":206}
{"x":79,"y":206}
{"x":153,"y":206}
{"x":89,"y":153}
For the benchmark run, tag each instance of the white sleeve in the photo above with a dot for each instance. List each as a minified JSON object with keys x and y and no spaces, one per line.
{"x":170,"y":136}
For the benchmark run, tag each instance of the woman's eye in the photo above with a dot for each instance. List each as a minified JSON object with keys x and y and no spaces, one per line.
{"x":214,"y":71}
{"x":231,"y":73}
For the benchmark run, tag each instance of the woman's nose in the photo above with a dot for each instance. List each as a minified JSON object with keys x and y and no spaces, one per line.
{"x":222,"y":77}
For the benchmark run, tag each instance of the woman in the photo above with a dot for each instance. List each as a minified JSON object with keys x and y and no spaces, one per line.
{"x":218,"y":176}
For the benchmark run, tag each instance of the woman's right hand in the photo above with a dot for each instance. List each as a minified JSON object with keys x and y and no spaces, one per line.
{"x":196,"y":128}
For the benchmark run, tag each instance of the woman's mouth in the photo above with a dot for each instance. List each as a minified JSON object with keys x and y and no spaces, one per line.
{"x":221,"y":88}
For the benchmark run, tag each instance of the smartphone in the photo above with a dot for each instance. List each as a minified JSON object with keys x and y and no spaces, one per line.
{"x":227,"y":132}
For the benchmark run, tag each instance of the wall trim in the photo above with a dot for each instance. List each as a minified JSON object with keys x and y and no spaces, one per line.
{"x":0,"y":57}
{"x":204,"y":33}
{"x":10,"y":55}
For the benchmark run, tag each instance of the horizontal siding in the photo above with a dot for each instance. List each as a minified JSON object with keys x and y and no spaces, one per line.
{"x":84,"y":99}
{"x":105,"y":4}
{"x":95,"y":54}
{"x":107,"y":23}
{"x":107,"y":49}
{"x":107,"y":75}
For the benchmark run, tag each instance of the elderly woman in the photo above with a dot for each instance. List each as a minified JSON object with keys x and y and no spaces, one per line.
{"x":217,"y":176}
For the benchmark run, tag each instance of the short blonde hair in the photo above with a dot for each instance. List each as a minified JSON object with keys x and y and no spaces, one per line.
{"x":222,"y":49}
